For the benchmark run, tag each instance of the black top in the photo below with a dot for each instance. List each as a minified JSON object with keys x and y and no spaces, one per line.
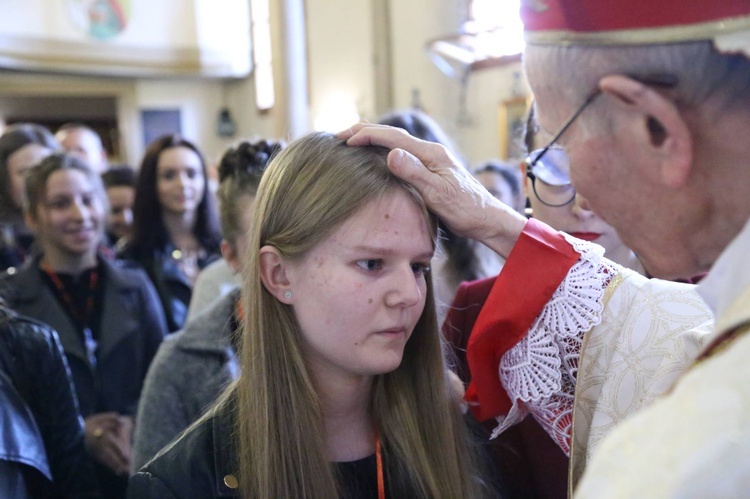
{"x":130,"y":328}
{"x":359,"y":478}
{"x":78,"y":289}
{"x":172,"y":285}
{"x":202,"y":464}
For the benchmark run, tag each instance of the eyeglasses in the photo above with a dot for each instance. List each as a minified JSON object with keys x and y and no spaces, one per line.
{"x":554,"y":171}
{"x":553,"y":174}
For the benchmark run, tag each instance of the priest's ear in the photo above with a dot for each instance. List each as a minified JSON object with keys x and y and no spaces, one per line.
{"x":660,"y":128}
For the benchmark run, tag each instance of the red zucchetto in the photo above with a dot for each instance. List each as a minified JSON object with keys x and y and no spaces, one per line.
{"x":628,"y":22}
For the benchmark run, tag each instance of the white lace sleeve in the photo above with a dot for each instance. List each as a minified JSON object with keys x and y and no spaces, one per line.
{"x":539,"y":373}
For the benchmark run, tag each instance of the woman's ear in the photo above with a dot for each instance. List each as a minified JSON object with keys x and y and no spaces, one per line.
{"x":273,"y":274}
{"x":667,"y":138}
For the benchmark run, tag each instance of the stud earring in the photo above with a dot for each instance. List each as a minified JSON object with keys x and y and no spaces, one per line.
{"x":287,"y":294}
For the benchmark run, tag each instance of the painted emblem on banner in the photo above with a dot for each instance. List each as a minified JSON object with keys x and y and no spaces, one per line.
{"x":100,"y":19}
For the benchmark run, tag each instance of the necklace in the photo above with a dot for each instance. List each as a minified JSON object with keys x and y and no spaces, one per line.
{"x":86,"y":317}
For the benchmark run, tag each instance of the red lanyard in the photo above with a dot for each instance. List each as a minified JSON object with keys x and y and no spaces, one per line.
{"x":379,"y":461}
{"x":88,"y":313}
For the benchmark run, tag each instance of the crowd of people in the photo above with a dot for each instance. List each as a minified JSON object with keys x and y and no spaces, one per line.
{"x":364,"y":315}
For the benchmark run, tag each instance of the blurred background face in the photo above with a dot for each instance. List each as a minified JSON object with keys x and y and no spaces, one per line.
{"x":120,"y":222}
{"x":180,"y":181}
{"x":496,"y":184}
{"x":19,"y":163}
{"x":85,"y":146}
{"x":575,"y":218}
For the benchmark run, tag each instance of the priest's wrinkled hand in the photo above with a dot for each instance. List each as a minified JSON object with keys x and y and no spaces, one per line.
{"x":449,"y":190}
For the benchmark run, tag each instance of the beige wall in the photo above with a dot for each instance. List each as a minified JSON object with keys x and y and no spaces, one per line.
{"x":341,"y":72}
{"x":413,"y":24}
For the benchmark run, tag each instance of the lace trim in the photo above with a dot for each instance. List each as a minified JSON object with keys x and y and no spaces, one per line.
{"x":539,"y":373}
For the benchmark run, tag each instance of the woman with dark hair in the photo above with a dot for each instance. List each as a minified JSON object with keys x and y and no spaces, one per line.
{"x":175,"y":224}
{"x":503,"y":181}
{"x":107,"y":316}
{"x":21,"y":147}
{"x":193,"y":366}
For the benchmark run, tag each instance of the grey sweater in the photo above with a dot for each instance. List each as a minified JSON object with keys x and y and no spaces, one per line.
{"x":191,"y":368}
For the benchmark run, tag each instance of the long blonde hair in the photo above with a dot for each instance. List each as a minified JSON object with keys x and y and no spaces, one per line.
{"x":308,"y":190}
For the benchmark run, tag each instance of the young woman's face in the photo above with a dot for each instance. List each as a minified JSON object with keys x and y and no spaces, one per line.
{"x":19,"y":163}
{"x":180,"y":182}
{"x":70,"y":216}
{"x":359,"y":293}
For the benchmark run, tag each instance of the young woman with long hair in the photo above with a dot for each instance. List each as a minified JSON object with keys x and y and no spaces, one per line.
{"x":107,"y":316}
{"x":175,"y":224}
{"x":344,"y":391}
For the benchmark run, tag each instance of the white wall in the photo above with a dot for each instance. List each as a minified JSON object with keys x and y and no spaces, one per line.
{"x":199,"y":103}
{"x":340,"y":50}
{"x":56,"y":20}
{"x":182,"y":37}
{"x":340,"y":63}
{"x":413,"y":24}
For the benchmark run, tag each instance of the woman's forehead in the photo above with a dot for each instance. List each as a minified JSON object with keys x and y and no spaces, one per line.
{"x":392,"y":219}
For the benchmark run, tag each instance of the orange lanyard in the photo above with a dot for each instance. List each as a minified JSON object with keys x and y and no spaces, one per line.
{"x":239,"y":312}
{"x":379,"y":464}
{"x":67,"y":297}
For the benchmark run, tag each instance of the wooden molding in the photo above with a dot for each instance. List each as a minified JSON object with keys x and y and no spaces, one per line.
{"x":33,"y":54}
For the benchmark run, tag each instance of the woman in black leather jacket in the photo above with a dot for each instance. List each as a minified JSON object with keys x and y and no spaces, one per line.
{"x":42,"y":451}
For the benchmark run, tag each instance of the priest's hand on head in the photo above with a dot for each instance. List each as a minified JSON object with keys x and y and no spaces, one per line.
{"x":449,"y":190}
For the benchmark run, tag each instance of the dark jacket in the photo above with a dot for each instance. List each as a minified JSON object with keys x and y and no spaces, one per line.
{"x":131,"y":330}
{"x":40,"y":410}
{"x":202,"y":463}
{"x":132,"y":327}
{"x":171,"y":284}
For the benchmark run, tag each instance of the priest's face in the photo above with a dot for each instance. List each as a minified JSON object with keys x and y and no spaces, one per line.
{"x":609,"y":167}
